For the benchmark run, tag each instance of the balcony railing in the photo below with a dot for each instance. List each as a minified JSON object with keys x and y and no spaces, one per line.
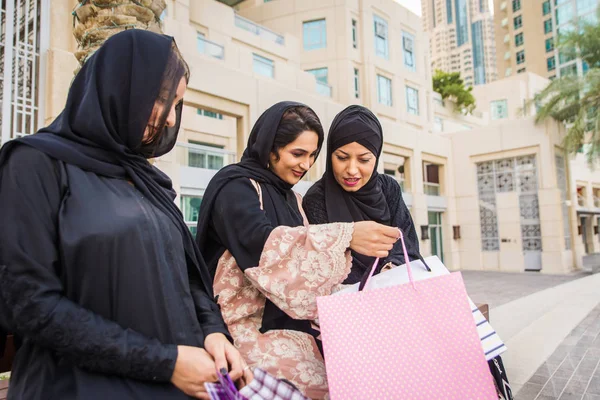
{"x":596,"y":202}
{"x":323,"y":89}
{"x":205,"y":157}
{"x":258,"y":30}
{"x":213,"y":49}
{"x":581,"y":200}
{"x":431,"y":189}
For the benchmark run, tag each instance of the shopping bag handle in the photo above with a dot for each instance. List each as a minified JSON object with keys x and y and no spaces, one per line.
{"x":408,"y":267}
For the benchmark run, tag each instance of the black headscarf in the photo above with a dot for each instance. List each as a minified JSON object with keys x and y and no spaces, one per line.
{"x":355,"y":124}
{"x":108,"y":109}
{"x":280,"y":202}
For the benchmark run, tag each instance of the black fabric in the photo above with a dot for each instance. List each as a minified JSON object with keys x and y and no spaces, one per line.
{"x":108,"y":108}
{"x":231,"y":217}
{"x":500,"y":378}
{"x":380,"y":200}
{"x":98,"y":274}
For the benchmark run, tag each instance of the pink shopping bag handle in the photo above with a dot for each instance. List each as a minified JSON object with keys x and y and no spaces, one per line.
{"x":408,"y":267}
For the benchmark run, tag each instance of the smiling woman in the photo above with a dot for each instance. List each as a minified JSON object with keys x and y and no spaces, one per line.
{"x":268,"y":264}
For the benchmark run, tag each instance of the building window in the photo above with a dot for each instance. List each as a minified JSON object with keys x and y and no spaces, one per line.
{"x":518,"y":22}
{"x":519,"y":39}
{"x":522,"y":70}
{"x":564,"y":14}
{"x":384,"y":90}
{"x":516,"y":5}
{"x":190,"y":207}
{"x":315,"y":34}
{"x":408,"y":44}
{"x":548,"y":26}
{"x":200,"y":42}
{"x":438,"y":124}
{"x":322,"y":78}
{"x":570,"y":70}
{"x":521,"y":57}
{"x":412,"y":100}
{"x":210,"y":114}
{"x":563,"y":59}
{"x":381,"y":37}
{"x":478,"y":52}
{"x":431,"y":179}
{"x":201,"y":155}
{"x":546,"y":7}
{"x":354,"y":34}
{"x":551,"y":63}
{"x":356,"y":84}
{"x":549,"y":45}
{"x":462,"y":22}
{"x":499,"y":109}
{"x":263,"y":66}
{"x":449,"y":11}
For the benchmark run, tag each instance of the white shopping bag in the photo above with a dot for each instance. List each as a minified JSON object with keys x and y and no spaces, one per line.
{"x":490,"y":341}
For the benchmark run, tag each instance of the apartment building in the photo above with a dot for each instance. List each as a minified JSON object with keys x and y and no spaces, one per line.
{"x":462,"y":38}
{"x":527,"y":32}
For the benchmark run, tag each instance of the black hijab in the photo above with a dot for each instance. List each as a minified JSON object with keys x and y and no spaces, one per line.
{"x":279,"y":201}
{"x":108,"y":109}
{"x":355,"y":124}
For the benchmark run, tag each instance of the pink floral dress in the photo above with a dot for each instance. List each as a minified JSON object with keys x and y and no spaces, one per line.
{"x":296,"y":266}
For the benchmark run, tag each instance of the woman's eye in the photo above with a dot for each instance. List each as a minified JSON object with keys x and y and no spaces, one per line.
{"x":297,"y":155}
{"x":342,"y":158}
{"x":365,"y":161}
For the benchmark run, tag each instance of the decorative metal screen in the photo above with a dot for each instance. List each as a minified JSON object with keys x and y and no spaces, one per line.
{"x":561,"y":177}
{"x":20,"y":66}
{"x":509,"y":175}
{"x":488,"y":215}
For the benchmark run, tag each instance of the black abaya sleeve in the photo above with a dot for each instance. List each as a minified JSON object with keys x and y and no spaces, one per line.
{"x":32,"y":303}
{"x":240,"y":224}
{"x":208,"y":311}
{"x":401,"y":218}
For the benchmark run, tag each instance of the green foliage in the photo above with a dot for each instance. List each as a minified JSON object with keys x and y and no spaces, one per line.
{"x":575,"y":100}
{"x":451,"y":86}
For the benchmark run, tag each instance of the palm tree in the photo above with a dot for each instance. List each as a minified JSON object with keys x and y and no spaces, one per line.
{"x":98,"y":20}
{"x":575,"y":100}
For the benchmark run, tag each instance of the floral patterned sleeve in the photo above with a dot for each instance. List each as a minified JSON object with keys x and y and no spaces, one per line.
{"x":299,"y":264}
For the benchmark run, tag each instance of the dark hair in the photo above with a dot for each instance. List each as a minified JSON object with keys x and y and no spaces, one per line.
{"x":175,"y":69}
{"x":293,"y":122}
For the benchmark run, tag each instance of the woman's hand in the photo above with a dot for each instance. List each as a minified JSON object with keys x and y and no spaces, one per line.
{"x":373,"y":239}
{"x":193,"y":367}
{"x":228,"y":357}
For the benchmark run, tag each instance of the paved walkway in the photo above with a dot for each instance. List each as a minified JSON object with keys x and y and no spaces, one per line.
{"x":498,"y":288}
{"x":573,"y":370}
{"x":546,"y":323}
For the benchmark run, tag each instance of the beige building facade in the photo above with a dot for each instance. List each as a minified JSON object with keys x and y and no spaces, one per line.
{"x":527,"y":31}
{"x":462,"y":38}
{"x":244,"y":61}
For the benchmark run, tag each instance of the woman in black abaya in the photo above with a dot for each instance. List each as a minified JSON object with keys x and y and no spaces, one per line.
{"x":98,"y":272}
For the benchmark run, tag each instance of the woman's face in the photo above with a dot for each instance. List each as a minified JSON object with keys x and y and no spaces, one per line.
{"x":159,"y":107}
{"x":353,"y":166}
{"x":296,"y":158}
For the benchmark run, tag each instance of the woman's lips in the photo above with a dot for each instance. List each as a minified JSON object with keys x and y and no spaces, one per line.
{"x":351,"y":181}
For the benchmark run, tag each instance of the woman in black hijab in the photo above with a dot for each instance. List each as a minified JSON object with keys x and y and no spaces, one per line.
{"x":351,"y":190}
{"x":99,"y":274}
{"x":268,"y":264}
